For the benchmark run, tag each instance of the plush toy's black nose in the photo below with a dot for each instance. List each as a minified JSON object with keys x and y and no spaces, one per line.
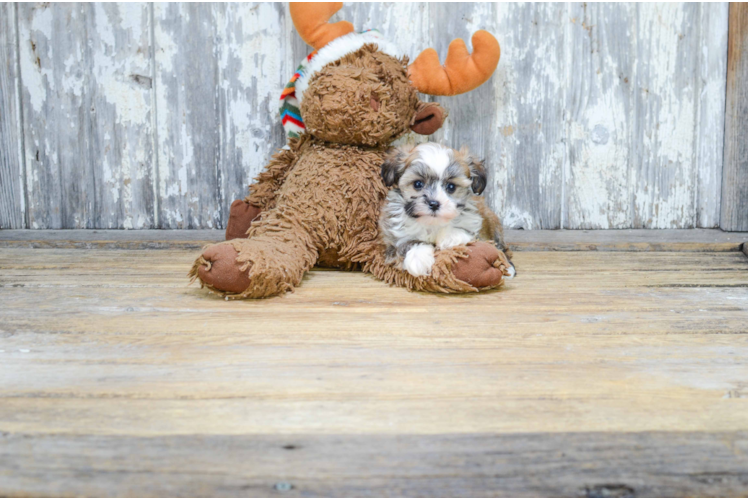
{"x":433,"y":205}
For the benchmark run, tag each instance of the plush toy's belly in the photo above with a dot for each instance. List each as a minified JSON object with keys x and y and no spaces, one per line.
{"x":336,"y":192}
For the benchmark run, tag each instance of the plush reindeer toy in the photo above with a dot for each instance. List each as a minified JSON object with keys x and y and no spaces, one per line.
{"x":318,"y":200}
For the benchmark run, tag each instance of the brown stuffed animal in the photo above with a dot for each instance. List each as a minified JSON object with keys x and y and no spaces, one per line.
{"x":318,"y":200}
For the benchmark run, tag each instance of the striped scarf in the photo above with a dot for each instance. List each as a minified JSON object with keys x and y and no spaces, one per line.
{"x":289,"y":109}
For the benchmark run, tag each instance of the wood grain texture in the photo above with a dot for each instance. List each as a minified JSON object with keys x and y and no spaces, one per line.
{"x":55,"y":70}
{"x":600,"y":107}
{"x":251,"y":71}
{"x":710,"y":120}
{"x":735,"y":174}
{"x":580,"y":464}
{"x":188,"y":126}
{"x":12,"y":177}
{"x":645,"y":98}
{"x":407,"y":25}
{"x":87,"y":126}
{"x":528,"y":137}
{"x":589,"y":374}
{"x":218,"y":120}
{"x":663,"y":123}
{"x":599,"y":116}
{"x":626,"y":240}
{"x":120,"y":141}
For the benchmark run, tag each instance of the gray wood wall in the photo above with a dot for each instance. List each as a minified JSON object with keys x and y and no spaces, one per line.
{"x":125,"y":115}
{"x":734,"y":216}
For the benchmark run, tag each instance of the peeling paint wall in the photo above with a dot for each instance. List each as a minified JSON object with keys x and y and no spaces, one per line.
{"x":159,"y":115}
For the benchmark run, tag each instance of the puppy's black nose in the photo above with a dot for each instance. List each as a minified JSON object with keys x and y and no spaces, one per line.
{"x":433,"y":205}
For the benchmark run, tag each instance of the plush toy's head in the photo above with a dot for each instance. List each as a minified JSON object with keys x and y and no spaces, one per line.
{"x":362,"y":98}
{"x":358,"y":89}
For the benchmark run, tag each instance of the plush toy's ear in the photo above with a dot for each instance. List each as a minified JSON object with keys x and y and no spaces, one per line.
{"x":393,"y":166}
{"x":429,"y":118}
{"x":477,"y":174}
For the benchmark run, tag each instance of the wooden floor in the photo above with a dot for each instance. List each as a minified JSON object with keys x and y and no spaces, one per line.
{"x":590,"y":374}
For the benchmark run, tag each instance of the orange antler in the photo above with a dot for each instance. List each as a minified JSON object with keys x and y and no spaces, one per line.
{"x":462,"y":72}
{"x":311,"y":21}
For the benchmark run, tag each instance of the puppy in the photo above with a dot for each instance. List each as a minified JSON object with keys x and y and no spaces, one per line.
{"x":434,"y":203}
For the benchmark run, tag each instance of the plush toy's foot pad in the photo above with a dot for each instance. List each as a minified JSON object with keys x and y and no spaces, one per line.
{"x":241,"y":216}
{"x":483,"y":268}
{"x":220,"y":270}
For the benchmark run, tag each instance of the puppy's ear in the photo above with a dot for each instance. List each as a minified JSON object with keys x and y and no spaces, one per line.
{"x":393,"y":166}
{"x":477,"y":174}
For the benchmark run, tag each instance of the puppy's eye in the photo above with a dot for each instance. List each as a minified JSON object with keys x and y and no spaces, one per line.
{"x":451,"y":188}
{"x":418,"y":184}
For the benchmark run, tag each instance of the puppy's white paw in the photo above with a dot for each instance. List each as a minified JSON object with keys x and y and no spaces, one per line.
{"x":451,"y":237}
{"x":419,"y":260}
{"x":511,"y":272}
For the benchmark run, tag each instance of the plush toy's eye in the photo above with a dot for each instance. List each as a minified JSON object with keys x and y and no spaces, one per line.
{"x":418,"y":184}
{"x":451,"y":188}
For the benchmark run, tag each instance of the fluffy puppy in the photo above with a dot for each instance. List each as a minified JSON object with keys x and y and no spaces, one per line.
{"x":434,"y":203}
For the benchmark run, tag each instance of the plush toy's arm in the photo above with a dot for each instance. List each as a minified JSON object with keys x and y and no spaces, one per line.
{"x":263,"y":192}
{"x":478,"y":266}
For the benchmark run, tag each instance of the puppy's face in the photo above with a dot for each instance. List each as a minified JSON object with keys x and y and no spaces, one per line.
{"x":435,"y":181}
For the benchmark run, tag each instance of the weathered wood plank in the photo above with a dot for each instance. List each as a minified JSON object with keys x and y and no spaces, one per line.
{"x":529,"y":151}
{"x":188,"y":120}
{"x":12,"y":178}
{"x":710,"y":132}
{"x":663,"y":172}
{"x":252,"y":40}
{"x":664,"y":117}
{"x":589,"y":374}
{"x":735,"y":174}
{"x":627,"y":240}
{"x":584,"y":464}
{"x":120,"y":140}
{"x":404,"y":24}
{"x":56,"y":115}
{"x":600,"y":99}
{"x":217,"y":109}
{"x":86,"y":92}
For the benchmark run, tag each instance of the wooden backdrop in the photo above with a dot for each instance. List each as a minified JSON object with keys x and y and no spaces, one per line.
{"x":159,"y":115}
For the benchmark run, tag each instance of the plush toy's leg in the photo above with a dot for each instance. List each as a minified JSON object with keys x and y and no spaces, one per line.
{"x":241,"y":216}
{"x":217,"y":269}
{"x":271,"y":261}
